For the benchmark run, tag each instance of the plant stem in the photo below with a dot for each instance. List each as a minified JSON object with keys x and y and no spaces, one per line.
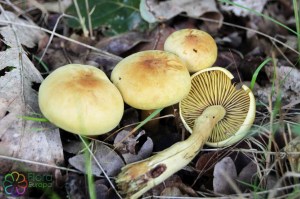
{"x":89,"y":18}
{"x":81,"y":20}
{"x":297,"y":13}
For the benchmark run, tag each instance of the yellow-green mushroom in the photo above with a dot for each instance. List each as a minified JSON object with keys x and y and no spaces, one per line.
{"x":81,"y":99}
{"x":195,"y":47}
{"x":152,"y":79}
{"x":219,"y":115}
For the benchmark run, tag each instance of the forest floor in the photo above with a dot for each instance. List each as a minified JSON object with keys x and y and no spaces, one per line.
{"x":257,"y":41}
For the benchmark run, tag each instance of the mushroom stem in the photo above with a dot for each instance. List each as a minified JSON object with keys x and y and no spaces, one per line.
{"x":137,"y":178}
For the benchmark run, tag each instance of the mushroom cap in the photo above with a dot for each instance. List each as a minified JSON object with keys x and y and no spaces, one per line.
{"x":212,"y":86}
{"x":195,"y":47}
{"x":81,"y":99}
{"x":151,"y":79}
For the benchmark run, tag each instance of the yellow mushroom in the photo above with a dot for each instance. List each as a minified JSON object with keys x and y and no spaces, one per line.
{"x":213,"y":106}
{"x":195,"y":47}
{"x":212,"y":86}
{"x":151,"y":79}
{"x":81,"y":99}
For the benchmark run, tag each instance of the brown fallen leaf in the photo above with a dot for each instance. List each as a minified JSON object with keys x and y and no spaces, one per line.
{"x":159,"y":11}
{"x":20,"y":138}
{"x":223,"y":172}
{"x":133,"y":148}
{"x":247,"y":176}
{"x":121,"y":43}
{"x":289,"y":88}
{"x":76,"y":48}
{"x":75,"y":186}
{"x":23,"y":35}
{"x":110,"y":161}
{"x":157,"y":38}
{"x":101,"y":190}
{"x":103,"y":61}
{"x":205,"y":163}
{"x":238,"y":11}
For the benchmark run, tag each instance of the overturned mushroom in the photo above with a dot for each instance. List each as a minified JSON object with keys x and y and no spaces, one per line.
{"x":221,"y":109}
{"x":211,"y":87}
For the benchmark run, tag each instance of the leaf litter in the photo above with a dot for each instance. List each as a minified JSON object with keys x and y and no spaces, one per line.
{"x":109,"y":159}
{"x":23,"y":139}
{"x":133,"y":148}
{"x":241,"y":51}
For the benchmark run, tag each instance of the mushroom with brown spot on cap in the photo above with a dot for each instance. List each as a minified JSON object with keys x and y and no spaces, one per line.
{"x":81,"y":99}
{"x":151,"y":79}
{"x":218,"y":113}
{"x":195,"y":47}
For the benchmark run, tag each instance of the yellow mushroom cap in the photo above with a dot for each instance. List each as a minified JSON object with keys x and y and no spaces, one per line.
{"x":151,"y":79}
{"x":212,"y":86}
{"x":195,"y":47}
{"x":81,"y":99}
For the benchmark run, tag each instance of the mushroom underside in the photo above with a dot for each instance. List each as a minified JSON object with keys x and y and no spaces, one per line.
{"x":215,"y":88}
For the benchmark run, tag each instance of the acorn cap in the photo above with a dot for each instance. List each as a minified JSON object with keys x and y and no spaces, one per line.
{"x":212,"y":86}
{"x":81,"y":99}
{"x":195,"y":47}
{"x":151,"y":79}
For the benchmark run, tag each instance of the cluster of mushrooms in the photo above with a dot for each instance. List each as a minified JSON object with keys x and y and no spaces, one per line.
{"x":82,"y":100}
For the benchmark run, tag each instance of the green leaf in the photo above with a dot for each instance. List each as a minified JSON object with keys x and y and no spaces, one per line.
{"x":114,"y":16}
{"x":254,"y":77}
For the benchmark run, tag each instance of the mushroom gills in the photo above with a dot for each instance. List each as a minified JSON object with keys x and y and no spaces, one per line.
{"x":213,"y":86}
{"x":137,"y":178}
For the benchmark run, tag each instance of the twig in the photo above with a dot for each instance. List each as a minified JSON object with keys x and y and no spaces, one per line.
{"x":38,"y":163}
{"x":64,"y":37}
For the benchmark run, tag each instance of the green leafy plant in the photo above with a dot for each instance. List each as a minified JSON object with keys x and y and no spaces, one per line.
{"x":254,"y":77}
{"x":297,"y":13}
{"x":114,"y":17}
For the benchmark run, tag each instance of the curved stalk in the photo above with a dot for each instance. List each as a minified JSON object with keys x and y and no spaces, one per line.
{"x":137,"y":178}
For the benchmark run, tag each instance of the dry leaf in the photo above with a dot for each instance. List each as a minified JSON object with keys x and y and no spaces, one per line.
{"x":224,"y":171}
{"x":247,"y":176}
{"x":158,"y":11}
{"x":20,"y":138}
{"x":290,"y":86}
{"x":22,"y":34}
{"x":206,"y":162}
{"x":133,"y":148}
{"x":110,"y":161}
{"x":73,"y":146}
{"x":121,"y":43}
{"x":101,"y":190}
{"x":75,"y":186}
{"x":104,"y":61}
{"x":57,"y":6}
{"x":250,"y":4}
